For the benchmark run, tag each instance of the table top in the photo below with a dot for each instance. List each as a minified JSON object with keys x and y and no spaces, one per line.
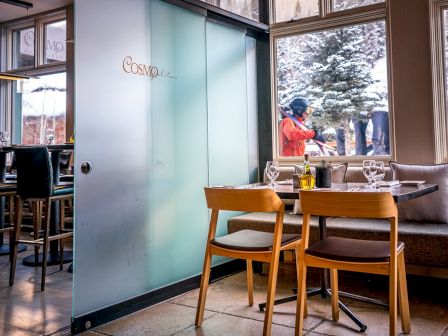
{"x":399,"y":192}
{"x":51,"y":148}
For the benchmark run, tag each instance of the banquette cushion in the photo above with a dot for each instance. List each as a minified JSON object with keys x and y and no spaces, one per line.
{"x":430,"y":208}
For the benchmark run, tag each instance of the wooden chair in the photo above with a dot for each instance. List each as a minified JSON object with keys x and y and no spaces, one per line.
{"x":246,"y":244}
{"x":336,"y":253}
{"x":35,"y":184}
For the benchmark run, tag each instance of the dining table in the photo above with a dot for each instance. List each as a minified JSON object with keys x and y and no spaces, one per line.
{"x":400,"y":194}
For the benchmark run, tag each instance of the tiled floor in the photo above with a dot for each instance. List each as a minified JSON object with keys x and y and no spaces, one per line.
{"x":24,"y":309}
{"x":227,"y":312}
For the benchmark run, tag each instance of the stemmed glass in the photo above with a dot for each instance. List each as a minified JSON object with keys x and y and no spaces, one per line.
{"x":49,"y":135}
{"x":379,"y":173}
{"x":4,"y":138}
{"x":369,"y":171}
{"x":272,"y":172}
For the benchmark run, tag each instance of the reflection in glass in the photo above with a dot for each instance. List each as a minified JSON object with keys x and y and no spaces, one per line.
{"x":342,"y":73}
{"x":286,"y":10}
{"x":23,"y":48}
{"x":347,"y":4}
{"x":42,"y":106}
{"x":55,"y":36}
{"x":247,"y":8}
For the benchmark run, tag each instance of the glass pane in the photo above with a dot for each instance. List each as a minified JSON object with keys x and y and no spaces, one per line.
{"x":246,"y":8}
{"x":41,"y":109}
{"x":55,"y":36}
{"x":227,"y":110}
{"x":23,"y":48}
{"x":286,"y":10}
{"x":341,"y":74}
{"x":347,"y":4}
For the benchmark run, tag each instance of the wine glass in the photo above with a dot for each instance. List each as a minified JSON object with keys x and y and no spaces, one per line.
{"x":272,"y":172}
{"x":49,"y":135}
{"x":368,"y":169}
{"x":4,"y":138}
{"x":379,"y":173}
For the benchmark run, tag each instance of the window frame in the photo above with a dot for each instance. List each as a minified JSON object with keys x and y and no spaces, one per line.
{"x":439,"y":85}
{"x":38,"y":21}
{"x":325,"y":21}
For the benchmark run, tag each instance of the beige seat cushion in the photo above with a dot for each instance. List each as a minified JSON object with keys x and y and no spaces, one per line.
{"x":428,"y":208}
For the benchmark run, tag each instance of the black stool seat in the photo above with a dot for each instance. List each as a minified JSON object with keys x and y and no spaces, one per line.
{"x":250,"y":240}
{"x":352,"y":250}
{"x":66,"y":178}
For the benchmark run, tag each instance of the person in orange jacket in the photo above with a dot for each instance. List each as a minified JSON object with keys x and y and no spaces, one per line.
{"x":292,"y":137}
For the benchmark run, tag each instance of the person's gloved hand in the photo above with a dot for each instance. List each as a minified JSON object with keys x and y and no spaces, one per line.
{"x":318,"y":136}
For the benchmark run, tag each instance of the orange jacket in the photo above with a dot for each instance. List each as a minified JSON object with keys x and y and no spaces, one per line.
{"x":293,"y":138}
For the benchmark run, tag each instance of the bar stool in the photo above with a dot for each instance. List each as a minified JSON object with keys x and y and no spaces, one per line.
{"x":9,"y":190}
{"x":35,"y":184}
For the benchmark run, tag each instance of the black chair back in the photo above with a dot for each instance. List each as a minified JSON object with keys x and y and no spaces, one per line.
{"x":34,"y":172}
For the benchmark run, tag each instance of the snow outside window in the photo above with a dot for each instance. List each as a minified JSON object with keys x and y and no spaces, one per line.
{"x":342,"y":75}
{"x":248,"y":8}
{"x":42,"y":106}
{"x":347,"y":4}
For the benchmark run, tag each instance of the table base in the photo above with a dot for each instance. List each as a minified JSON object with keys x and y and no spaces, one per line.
{"x":29,"y":261}
{"x":4,"y":249}
{"x":326,"y":293}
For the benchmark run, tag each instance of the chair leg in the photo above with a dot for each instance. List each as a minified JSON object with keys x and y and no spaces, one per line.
{"x":250,"y":282}
{"x":16,"y":237}
{"x":301,"y":298}
{"x":393,"y":284}
{"x":403,"y":295}
{"x":45,"y":247}
{"x":204,"y":286}
{"x":62,"y":227}
{"x":272,"y":284}
{"x":37,"y":225}
{"x":12,"y":221}
{"x":334,"y":294}
{"x":297,"y":253}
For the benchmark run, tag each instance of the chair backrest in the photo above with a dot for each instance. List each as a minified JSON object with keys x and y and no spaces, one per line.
{"x":348,"y":204}
{"x":247,"y":200}
{"x":34,"y":172}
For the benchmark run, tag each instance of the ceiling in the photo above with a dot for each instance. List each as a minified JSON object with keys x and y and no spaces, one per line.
{"x":10,"y":12}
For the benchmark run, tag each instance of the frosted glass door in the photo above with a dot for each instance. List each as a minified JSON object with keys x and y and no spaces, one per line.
{"x":179,"y":161}
{"x":163,"y":100}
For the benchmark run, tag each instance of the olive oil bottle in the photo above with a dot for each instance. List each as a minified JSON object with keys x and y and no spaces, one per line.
{"x":307,"y":179}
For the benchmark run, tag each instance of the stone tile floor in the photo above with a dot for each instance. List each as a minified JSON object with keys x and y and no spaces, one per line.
{"x":227,"y":312}
{"x":24,"y":309}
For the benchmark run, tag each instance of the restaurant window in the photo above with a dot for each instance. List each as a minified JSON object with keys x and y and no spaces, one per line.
{"x":36,"y":48}
{"x":22,"y":48}
{"x":41,"y":109}
{"x":438,"y":10}
{"x":332,"y":83}
{"x":286,"y":10}
{"x":54,"y":37}
{"x":247,"y":8}
{"x":348,"y":4}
